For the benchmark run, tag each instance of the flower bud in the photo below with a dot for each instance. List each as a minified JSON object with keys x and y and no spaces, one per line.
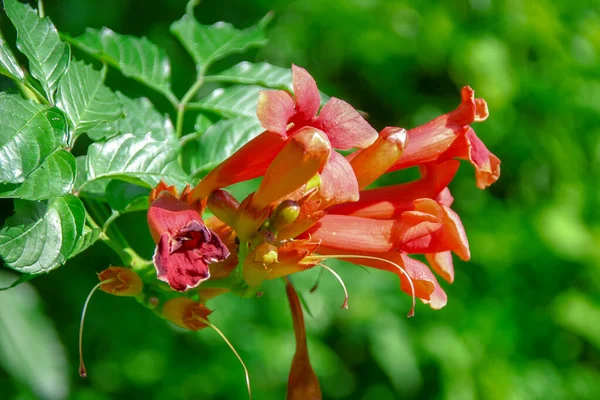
{"x":123,"y":281}
{"x":224,"y":206}
{"x":285,"y":214}
{"x":186,"y":313}
{"x":258,"y":263}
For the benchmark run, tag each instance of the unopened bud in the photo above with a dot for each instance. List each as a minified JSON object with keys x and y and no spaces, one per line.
{"x":186,"y":313}
{"x":258,"y":263}
{"x":285,"y":214}
{"x":224,"y":206}
{"x":120,"y":281}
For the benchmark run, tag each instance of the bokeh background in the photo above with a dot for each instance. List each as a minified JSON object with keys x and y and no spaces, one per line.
{"x":523,"y":316}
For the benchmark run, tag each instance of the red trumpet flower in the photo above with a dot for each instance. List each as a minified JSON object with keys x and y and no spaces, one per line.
{"x":185,"y":246}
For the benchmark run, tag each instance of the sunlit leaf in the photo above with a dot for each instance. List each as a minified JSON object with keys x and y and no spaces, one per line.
{"x":53,"y":178}
{"x":85,"y":99}
{"x":142,"y":160}
{"x":208,"y":43}
{"x":136,"y":58}
{"x":38,"y":39}
{"x":41,"y":235}
{"x":261,"y":74}
{"x":231,"y":102}
{"x":9,"y":65}
{"x":220,"y":141}
{"x":139,"y":117}
{"x":93,"y":189}
{"x":27,"y":137}
{"x":87,"y":239}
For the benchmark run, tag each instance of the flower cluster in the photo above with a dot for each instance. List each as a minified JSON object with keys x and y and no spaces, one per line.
{"x":314,"y":204}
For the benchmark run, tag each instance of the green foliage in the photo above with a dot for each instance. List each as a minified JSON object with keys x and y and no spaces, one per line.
{"x":42,"y":235}
{"x":85,"y":100}
{"x":137,"y":58}
{"x":38,"y":39}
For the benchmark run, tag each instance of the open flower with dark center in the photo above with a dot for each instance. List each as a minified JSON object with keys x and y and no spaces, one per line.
{"x":185,"y":246}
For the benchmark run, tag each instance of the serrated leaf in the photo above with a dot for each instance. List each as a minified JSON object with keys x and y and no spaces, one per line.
{"x":125,"y":197}
{"x":261,"y":74}
{"x":142,"y":160}
{"x":55,"y":177}
{"x":220,"y":141}
{"x":38,"y":39}
{"x":86,"y":240}
{"x":139,"y":117}
{"x":231,"y":102}
{"x":27,"y":137}
{"x":9,"y":65}
{"x":137,"y":58}
{"x":93,"y":189}
{"x":41,"y":235}
{"x":85,"y":99}
{"x":209,"y":43}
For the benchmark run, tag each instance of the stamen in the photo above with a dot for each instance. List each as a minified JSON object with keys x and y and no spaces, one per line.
{"x":232,"y":349}
{"x":345,"y":305}
{"x":412,"y":286}
{"x":82,"y":370}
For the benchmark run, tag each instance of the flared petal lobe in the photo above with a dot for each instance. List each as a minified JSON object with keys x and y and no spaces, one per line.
{"x":120,"y":281}
{"x":344,"y":126}
{"x":306,"y":94}
{"x":274,"y":110}
{"x":186,"y":313}
{"x":338,"y":182}
{"x":428,"y":142}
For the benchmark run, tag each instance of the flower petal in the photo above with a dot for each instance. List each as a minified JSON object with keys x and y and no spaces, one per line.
{"x":470,"y":147}
{"x":338,"y":182}
{"x":344,"y":126}
{"x":389,"y":202}
{"x":181,"y":270}
{"x":186,"y":313}
{"x":442,"y":264}
{"x":306,"y":93}
{"x":372,"y":162}
{"x":274,"y":110}
{"x":303,"y":156}
{"x":346,"y":233}
{"x":427,"y":142}
{"x":249,"y":162}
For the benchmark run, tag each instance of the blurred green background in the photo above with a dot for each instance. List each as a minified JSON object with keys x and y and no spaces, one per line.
{"x":523,"y":316}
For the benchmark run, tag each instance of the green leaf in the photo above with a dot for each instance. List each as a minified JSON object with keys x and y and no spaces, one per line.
{"x":209,"y":43}
{"x":9,"y":65}
{"x":139,"y":117}
{"x":55,"y":177}
{"x":30,"y":348}
{"x":141,"y":160}
{"x":87,"y":239}
{"x":125,"y":197}
{"x":38,"y":39}
{"x":219,"y":142}
{"x":137,"y":58}
{"x":93,"y":189}
{"x":261,"y":74}
{"x":85,"y":99}
{"x":27,"y":137}
{"x":231,"y":102}
{"x":41,"y":235}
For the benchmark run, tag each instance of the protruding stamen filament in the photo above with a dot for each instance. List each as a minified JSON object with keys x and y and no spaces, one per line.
{"x":82,"y":370}
{"x":232,"y":349}
{"x":345,"y":304}
{"x":316,"y":285}
{"x":412,"y":286}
